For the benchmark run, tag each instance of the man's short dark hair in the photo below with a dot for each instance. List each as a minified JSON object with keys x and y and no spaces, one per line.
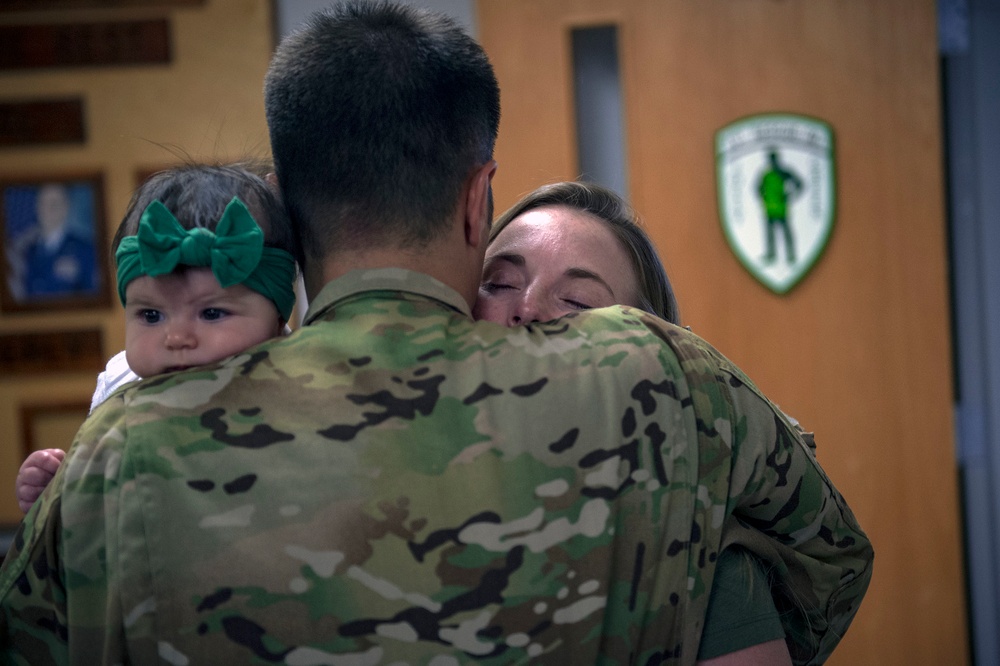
{"x":377,"y":113}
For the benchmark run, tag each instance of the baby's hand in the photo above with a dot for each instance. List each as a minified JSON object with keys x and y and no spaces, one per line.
{"x":36,"y":472}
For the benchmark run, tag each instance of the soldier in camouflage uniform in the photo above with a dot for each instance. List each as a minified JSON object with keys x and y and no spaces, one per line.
{"x":396,"y":483}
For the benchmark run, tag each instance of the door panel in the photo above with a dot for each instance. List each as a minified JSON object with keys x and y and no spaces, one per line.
{"x":859,"y":351}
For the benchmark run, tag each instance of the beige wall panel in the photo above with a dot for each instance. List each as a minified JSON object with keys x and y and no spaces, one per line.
{"x":860,"y":350}
{"x":206,"y":105}
{"x":537,"y":128}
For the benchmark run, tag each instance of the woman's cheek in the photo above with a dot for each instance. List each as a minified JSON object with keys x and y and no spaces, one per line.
{"x":489,"y":308}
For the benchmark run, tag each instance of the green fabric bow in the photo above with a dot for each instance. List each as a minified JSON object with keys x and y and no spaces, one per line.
{"x":234,"y":251}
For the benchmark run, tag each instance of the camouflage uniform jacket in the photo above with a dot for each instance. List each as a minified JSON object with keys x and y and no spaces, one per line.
{"x":395,"y":483}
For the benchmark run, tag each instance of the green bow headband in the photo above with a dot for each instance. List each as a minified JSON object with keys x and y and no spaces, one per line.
{"x":235,"y":252}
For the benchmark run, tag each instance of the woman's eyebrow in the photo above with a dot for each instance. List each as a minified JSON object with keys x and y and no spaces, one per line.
{"x":510,"y":257}
{"x":584,"y":274}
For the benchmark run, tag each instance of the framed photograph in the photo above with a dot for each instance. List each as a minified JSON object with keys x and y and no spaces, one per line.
{"x":52,"y":244}
{"x":51,"y":425}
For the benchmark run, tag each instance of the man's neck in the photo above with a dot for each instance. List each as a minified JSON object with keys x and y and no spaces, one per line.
{"x":454,"y":258}
{"x":436,"y":261}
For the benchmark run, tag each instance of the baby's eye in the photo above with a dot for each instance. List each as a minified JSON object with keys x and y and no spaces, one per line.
{"x":213,"y":314}
{"x":150,"y":316}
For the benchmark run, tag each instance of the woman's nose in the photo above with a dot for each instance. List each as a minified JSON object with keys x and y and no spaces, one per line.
{"x":527,"y":310}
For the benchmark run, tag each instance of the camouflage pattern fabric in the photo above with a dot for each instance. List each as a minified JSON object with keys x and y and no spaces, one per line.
{"x":397,"y":484}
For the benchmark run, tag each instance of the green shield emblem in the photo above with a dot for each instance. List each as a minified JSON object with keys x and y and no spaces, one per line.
{"x":775,"y":178}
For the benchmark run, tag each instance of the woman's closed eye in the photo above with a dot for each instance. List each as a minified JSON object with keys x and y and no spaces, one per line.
{"x":491,"y":286}
{"x":577,"y":305}
{"x":502,"y":275}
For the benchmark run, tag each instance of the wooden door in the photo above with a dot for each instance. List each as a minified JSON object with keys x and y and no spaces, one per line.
{"x":859,"y":351}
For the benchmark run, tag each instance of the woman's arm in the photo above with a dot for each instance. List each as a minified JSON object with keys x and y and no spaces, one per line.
{"x":771,"y":653}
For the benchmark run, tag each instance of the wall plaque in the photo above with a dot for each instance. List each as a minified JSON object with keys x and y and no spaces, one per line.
{"x":41,"y":122}
{"x":775,"y":174}
{"x":85,"y":44}
{"x":51,"y":425}
{"x":51,"y":351}
{"x":43,"y":5}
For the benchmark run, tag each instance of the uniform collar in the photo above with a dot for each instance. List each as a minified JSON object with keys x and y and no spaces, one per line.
{"x":385,"y":279}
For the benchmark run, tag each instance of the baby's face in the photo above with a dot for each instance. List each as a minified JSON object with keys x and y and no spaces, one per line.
{"x":186,"y":318}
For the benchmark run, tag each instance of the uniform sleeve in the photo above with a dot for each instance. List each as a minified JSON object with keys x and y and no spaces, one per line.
{"x":781,"y":505}
{"x":32,"y":599}
{"x":59,"y":601}
{"x":784,"y":508}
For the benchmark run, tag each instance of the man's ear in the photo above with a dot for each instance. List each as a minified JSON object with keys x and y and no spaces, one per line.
{"x":477,"y":204}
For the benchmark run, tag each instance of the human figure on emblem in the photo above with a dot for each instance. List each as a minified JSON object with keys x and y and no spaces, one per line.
{"x":778,"y":186}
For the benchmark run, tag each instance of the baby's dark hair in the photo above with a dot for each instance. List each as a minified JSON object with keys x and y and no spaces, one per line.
{"x":197,"y":195}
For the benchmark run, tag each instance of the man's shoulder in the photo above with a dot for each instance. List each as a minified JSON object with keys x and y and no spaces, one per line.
{"x":635,"y":326}
{"x":331,"y":353}
{"x":614,"y":331}
{"x":616,"y":321}
{"x":698,"y":359}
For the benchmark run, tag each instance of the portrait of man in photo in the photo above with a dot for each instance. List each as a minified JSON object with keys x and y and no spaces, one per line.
{"x":50,"y":241}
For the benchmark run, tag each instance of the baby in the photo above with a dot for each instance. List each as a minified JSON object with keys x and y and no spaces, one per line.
{"x":206,"y":268}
